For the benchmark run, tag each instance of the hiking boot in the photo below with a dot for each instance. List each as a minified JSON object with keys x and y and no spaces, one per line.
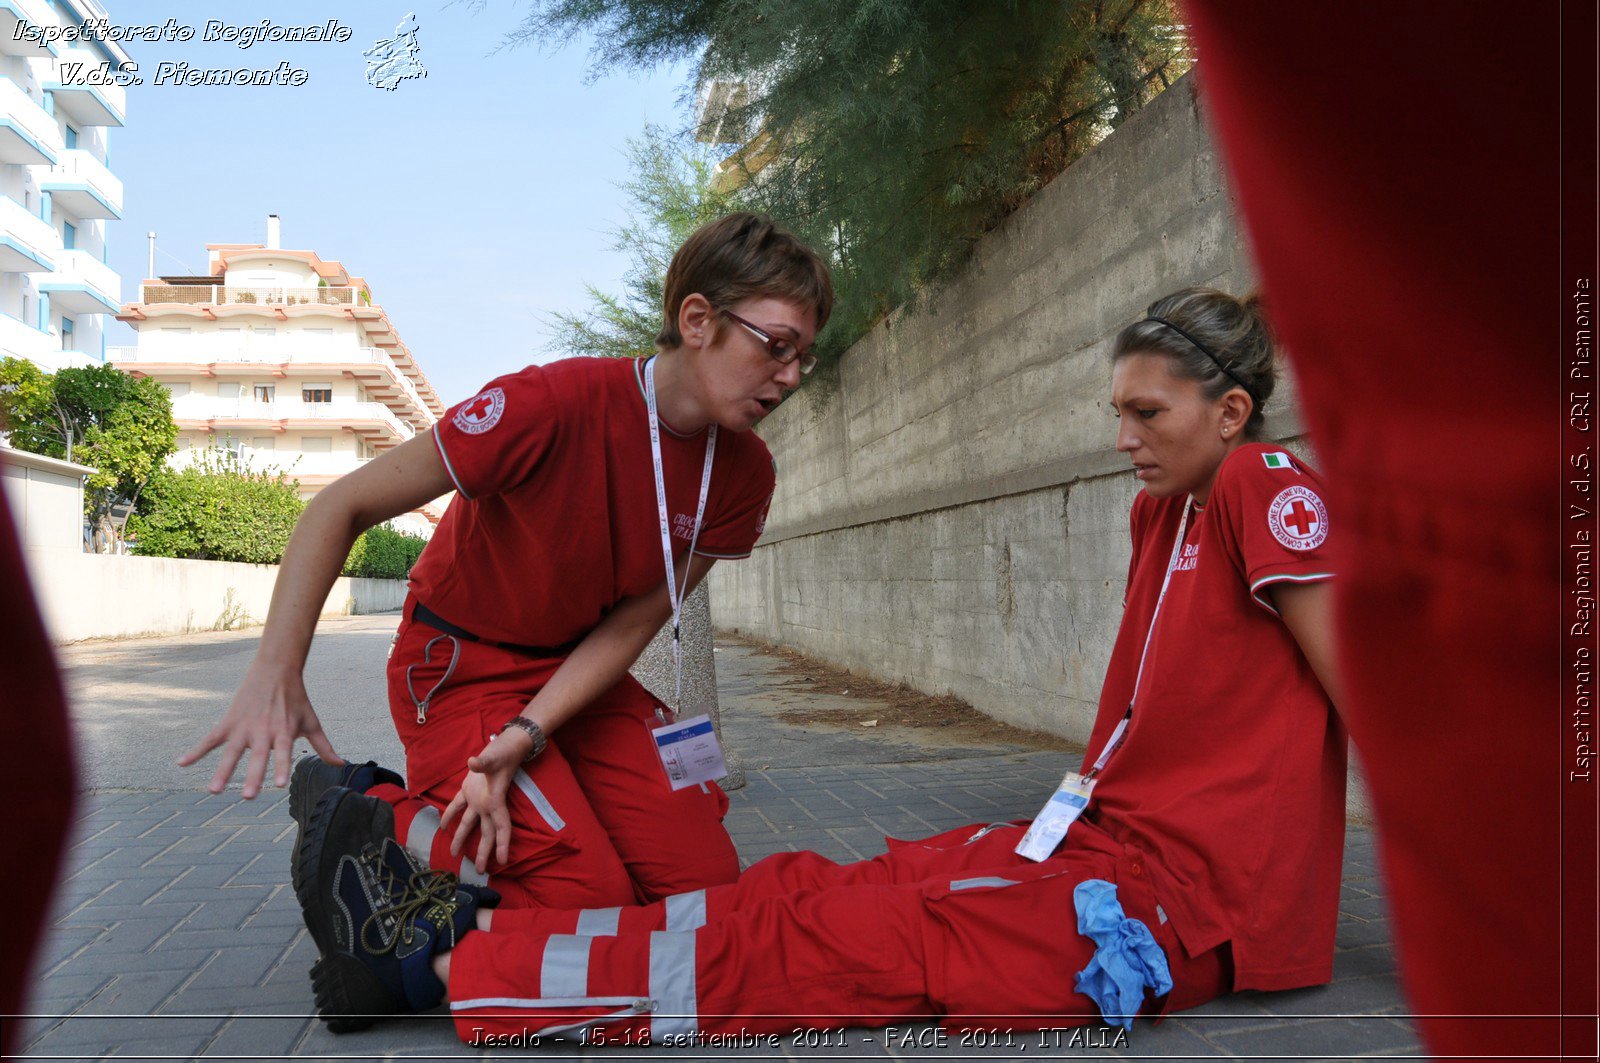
{"x":379,"y":918}
{"x":314,"y":777}
{"x":342,"y":822}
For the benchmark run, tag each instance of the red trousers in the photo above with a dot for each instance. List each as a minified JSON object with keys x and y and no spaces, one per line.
{"x":956,"y":925}
{"x":593,"y":819}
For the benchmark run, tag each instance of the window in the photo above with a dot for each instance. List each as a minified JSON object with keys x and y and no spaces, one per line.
{"x":264,"y":392}
{"x":72,"y":136}
{"x":264,"y":443}
{"x":310,"y":392}
{"x":316,"y":444}
{"x":174,"y":341}
{"x":67,"y":342}
{"x":178,"y":387}
{"x":69,"y":236}
{"x":227,"y":389}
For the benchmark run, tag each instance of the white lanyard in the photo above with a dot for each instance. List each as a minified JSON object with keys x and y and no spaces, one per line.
{"x":675,"y":590}
{"x":1121,"y":731}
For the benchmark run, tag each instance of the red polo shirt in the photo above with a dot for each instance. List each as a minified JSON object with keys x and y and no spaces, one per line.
{"x":1232,"y":774}
{"x":555,"y":519}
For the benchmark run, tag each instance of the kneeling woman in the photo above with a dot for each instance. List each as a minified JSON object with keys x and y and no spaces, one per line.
{"x":1209,"y":852}
{"x":591,"y":496}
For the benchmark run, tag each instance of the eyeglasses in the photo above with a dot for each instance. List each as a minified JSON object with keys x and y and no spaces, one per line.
{"x":781,"y":349}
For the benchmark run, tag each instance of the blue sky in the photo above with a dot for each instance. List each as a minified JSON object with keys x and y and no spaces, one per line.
{"x":475,"y":201}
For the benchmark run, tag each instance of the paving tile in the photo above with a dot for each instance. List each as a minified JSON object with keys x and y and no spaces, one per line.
{"x":1360,"y":933}
{"x":1321,"y":1037}
{"x":1364,"y":962}
{"x":252,"y":1038}
{"x":142,"y":992}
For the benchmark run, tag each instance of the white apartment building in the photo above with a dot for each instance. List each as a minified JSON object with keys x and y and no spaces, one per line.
{"x":283,"y":358}
{"x":57,"y":193}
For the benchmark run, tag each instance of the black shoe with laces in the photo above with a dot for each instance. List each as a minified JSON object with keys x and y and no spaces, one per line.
{"x":314,"y":777}
{"x":378,"y":916}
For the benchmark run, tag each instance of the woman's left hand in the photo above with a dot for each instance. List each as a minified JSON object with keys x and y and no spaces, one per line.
{"x":481,"y":801}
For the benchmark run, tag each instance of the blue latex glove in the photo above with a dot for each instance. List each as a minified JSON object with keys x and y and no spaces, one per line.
{"x":1126,"y":959}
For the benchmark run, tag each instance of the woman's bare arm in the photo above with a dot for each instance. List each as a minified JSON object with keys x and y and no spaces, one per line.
{"x":270,"y":709}
{"x":1307,"y":611}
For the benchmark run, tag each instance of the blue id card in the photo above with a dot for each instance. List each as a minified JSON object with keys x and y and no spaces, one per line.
{"x":690,"y":752}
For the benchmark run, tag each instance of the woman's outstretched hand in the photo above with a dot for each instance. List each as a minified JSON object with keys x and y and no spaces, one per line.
{"x":268,"y":713}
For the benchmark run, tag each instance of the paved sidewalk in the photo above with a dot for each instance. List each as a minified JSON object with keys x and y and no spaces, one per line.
{"x":178,"y":936}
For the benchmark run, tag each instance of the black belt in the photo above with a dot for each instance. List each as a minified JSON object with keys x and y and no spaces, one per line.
{"x":439,"y":623}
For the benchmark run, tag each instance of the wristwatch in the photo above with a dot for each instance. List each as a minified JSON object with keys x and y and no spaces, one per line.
{"x":533,"y":730}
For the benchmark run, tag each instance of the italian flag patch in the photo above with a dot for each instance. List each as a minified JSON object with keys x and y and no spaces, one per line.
{"x":1277,"y":460}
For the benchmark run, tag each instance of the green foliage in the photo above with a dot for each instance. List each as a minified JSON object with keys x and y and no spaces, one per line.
{"x":383,"y":553}
{"x":891,"y":134}
{"x":99,"y":416}
{"x":217,"y":509}
{"x":672,"y":194}
{"x":27,"y":406}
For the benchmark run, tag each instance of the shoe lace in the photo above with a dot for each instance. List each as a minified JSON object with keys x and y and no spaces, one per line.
{"x":426,"y":894}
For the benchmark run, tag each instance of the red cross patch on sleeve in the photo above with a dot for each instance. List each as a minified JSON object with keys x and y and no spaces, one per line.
{"x":1298,"y":519}
{"x":482,"y":413}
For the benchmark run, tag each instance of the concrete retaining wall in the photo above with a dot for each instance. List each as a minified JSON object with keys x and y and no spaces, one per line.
{"x":951,"y":511}
{"x":89,"y":596}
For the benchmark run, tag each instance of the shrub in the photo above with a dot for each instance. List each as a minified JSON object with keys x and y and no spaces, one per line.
{"x":216,"y":510}
{"x":383,"y":553}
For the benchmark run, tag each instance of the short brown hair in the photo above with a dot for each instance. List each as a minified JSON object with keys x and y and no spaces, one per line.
{"x":739,"y":256}
{"x":1236,"y":331}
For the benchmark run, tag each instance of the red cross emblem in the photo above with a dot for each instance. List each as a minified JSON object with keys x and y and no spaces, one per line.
{"x":480,"y":413}
{"x":1298,"y":519}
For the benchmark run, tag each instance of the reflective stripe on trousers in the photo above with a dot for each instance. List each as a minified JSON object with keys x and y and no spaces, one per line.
{"x":420,"y":837}
{"x":566,"y":978}
{"x":540,"y":802}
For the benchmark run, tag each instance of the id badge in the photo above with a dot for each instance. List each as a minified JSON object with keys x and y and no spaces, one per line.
{"x":1059,"y":813}
{"x":690,"y":752}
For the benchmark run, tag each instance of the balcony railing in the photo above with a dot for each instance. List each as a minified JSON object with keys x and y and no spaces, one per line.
{"x":28,"y":115}
{"x":23,"y":341}
{"x":91,"y":105}
{"x":32,"y":12}
{"x":203,"y":349}
{"x":228,"y":295}
{"x":79,"y":269}
{"x":77,"y":167}
{"x":206,"y":408}
{"x":21,"y":223}
{"x":289,"y":461}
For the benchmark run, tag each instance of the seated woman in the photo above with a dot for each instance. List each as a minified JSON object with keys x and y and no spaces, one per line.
{"x":1215,"y":818}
